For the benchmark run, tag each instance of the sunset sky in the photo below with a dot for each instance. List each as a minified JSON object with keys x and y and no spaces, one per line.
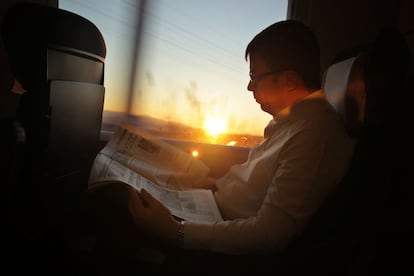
{"x":191,"y":66}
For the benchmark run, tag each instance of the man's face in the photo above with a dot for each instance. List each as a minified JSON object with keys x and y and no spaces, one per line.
{"x":269,"y":87}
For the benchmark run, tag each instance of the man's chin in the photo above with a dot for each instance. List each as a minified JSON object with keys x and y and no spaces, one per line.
{"x":267,"y":109}
{"x":264,"y":108}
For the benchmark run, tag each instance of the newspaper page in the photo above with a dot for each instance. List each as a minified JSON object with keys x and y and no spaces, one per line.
{"x":117,"y":163}
{"x":154,"y":159}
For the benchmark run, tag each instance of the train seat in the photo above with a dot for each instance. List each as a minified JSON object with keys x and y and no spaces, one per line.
{"x":368,"y":90}
{"x":58,"y":57}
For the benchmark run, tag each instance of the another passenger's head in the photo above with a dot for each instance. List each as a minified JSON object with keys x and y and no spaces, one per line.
{"x":283,"y":57}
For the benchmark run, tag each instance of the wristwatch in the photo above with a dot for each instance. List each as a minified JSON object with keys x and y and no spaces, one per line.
{"x":181,"y":234}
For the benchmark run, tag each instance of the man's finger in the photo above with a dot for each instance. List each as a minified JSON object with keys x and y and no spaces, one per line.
{"x":135,"y":203}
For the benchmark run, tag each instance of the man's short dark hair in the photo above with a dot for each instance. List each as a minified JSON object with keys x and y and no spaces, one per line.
{"x":289,"y":45}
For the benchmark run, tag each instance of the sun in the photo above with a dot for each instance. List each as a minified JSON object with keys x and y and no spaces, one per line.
{"x":215,"y":126}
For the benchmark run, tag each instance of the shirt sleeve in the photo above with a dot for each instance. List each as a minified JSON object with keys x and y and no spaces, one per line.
{"x":242,"y":236}
{"x":305,"y":172}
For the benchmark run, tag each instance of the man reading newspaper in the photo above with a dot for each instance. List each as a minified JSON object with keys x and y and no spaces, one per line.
{"x":268,"y":200}
{"x":145,"y":162}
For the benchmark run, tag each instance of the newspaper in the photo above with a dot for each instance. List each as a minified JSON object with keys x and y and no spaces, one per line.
{"x":166,"y":172}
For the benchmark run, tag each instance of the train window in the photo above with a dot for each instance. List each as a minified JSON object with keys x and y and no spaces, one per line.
{"x":177,"y":68}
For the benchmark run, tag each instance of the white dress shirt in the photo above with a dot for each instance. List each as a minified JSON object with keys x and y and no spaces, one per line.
{"x":270,"y":198}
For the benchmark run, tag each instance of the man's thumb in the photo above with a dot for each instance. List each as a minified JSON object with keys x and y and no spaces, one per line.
{"x":147,"y":198}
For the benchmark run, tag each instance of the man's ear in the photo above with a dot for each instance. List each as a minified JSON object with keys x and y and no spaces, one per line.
{"x":293,"y":80}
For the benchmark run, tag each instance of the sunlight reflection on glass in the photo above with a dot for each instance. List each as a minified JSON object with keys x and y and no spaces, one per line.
{"x":194,"y":153}
{"x":231,"y":143}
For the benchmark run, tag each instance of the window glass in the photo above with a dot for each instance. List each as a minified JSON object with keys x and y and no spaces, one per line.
{"x":178,"y":70}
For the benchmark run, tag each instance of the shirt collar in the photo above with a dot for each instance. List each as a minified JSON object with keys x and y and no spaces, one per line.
{"x":302,"y":109}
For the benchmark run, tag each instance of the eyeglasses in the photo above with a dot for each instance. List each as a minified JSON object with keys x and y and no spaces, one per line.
{"x":254,"y":79}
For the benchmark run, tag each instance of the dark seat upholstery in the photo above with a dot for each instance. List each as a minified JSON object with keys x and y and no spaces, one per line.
{"x":58,"y":57}
{"x":368,"y":91}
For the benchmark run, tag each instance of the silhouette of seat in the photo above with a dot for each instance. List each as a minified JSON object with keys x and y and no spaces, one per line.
{"x":58,"y":57}
{"x":368,"y":90}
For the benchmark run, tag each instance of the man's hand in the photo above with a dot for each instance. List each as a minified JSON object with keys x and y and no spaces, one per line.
{"x":206,"y":183}
{"x":152,"y":216}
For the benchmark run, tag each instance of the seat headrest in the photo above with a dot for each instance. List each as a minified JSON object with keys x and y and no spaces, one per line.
{"x":359,"y":87}
{"x":30,"y":25}
{"x":29,"y":29}
{"x":344,"y":86}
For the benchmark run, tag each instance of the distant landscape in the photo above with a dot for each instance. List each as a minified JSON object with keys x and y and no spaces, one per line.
{"x":174,"y":130}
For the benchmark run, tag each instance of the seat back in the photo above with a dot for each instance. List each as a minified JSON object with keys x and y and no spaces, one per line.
{"x":347,"y":223}
{"x":58,"y":57}
{"x":344,"y":87}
